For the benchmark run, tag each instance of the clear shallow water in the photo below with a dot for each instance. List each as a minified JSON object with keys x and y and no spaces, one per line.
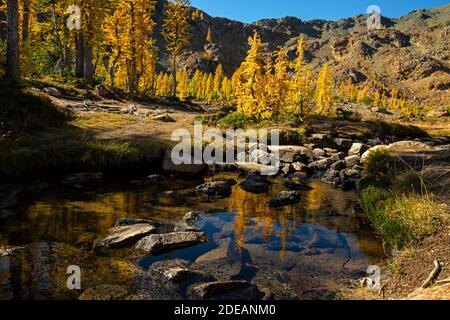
{"x":310,"y":250}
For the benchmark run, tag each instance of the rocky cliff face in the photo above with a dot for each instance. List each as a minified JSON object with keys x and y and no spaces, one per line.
{"x":411,"y":52}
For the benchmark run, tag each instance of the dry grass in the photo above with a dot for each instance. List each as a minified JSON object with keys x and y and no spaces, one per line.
{"x":436,"y":128}
{"x":100,"y":121}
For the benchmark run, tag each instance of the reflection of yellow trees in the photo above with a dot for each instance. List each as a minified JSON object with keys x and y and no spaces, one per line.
{"x":324,"y":196}
{"x":253,"y":208}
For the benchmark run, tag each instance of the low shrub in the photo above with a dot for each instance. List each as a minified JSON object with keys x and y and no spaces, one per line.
{"x":237,"y":120}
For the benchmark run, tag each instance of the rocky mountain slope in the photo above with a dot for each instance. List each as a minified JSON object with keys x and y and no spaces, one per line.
{"x":410,"y":53}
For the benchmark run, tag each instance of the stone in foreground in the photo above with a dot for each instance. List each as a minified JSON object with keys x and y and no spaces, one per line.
{"x":225,"y":289}
{"x":125,"y":236}
{"x":156,"y":244}
{"x":177,"y":274}
{"x":284,"y":198}
{"x":215,"y":188}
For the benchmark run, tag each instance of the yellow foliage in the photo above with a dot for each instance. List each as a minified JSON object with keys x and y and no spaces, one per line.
{"x":324,"y":92}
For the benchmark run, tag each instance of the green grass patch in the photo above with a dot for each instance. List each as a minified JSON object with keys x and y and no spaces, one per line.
{"x":402,"y":219}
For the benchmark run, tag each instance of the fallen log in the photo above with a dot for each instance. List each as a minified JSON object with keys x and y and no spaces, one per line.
{"x":433,"y":275}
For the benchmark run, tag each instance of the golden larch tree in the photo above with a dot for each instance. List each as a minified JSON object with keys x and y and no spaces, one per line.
{"x":176,"y":31}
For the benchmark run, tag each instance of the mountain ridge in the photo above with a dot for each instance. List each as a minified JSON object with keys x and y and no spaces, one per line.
{"x":410,"y":53}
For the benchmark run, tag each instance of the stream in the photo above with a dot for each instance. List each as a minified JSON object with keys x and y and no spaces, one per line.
{"x":312,"y":250}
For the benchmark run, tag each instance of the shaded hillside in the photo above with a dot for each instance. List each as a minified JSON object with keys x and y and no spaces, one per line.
{"x":411,"y":53}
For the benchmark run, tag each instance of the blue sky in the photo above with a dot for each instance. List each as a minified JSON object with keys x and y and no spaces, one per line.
{"x":252,"y":10}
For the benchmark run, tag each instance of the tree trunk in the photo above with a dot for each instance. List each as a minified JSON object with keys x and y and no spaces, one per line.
{"x":88,"y":65}
{"x":12,"y":50}
{"x":79,"y":43}
{"x":174,"y":76}
{"x":67,"y":51}
{"x":25,"y":21}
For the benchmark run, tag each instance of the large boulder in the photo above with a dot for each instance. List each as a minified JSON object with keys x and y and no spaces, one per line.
{"x":156,"y":244}
{"x":358,"y":149}
{"x":290,"y":154}
{"x":285,"y":198}
{"x":321,"y":141}
{"x":256,"y":168}
{"x":215,"y":188}
{"x":124,"y":236}
{"x":321,"y":165}
{"x":343,"y":145}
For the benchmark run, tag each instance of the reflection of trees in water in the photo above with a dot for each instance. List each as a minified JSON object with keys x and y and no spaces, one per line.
{"x":252,"y":208}
{"x":67,"y":221}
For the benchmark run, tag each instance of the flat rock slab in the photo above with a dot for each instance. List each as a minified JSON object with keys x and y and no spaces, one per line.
{"x":177,"y":274}
{"x":160,"y":243}
{"x":234,"y":290}
{"x":284,"y":198}
{"x":256,"y":168}
{"x":132,"y":221}
{"x":126,"y":236}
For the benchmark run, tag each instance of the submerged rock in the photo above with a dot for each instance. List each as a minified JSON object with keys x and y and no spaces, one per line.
{"x":104,"y":292}
{"x":83,"y":179}
{"x":215,"y":188}
{"x":256,"y":185}
{"x":160,"y":243}
{"x":124,"y":236}
{"x":187,"y":224}
{"x":285,"y":198}
{"x":226,"y":290}
{"x":297,"y":185}
{"x":224,"y":262}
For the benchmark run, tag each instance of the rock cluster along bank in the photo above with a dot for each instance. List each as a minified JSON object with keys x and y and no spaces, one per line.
{"x":336,"y":161}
